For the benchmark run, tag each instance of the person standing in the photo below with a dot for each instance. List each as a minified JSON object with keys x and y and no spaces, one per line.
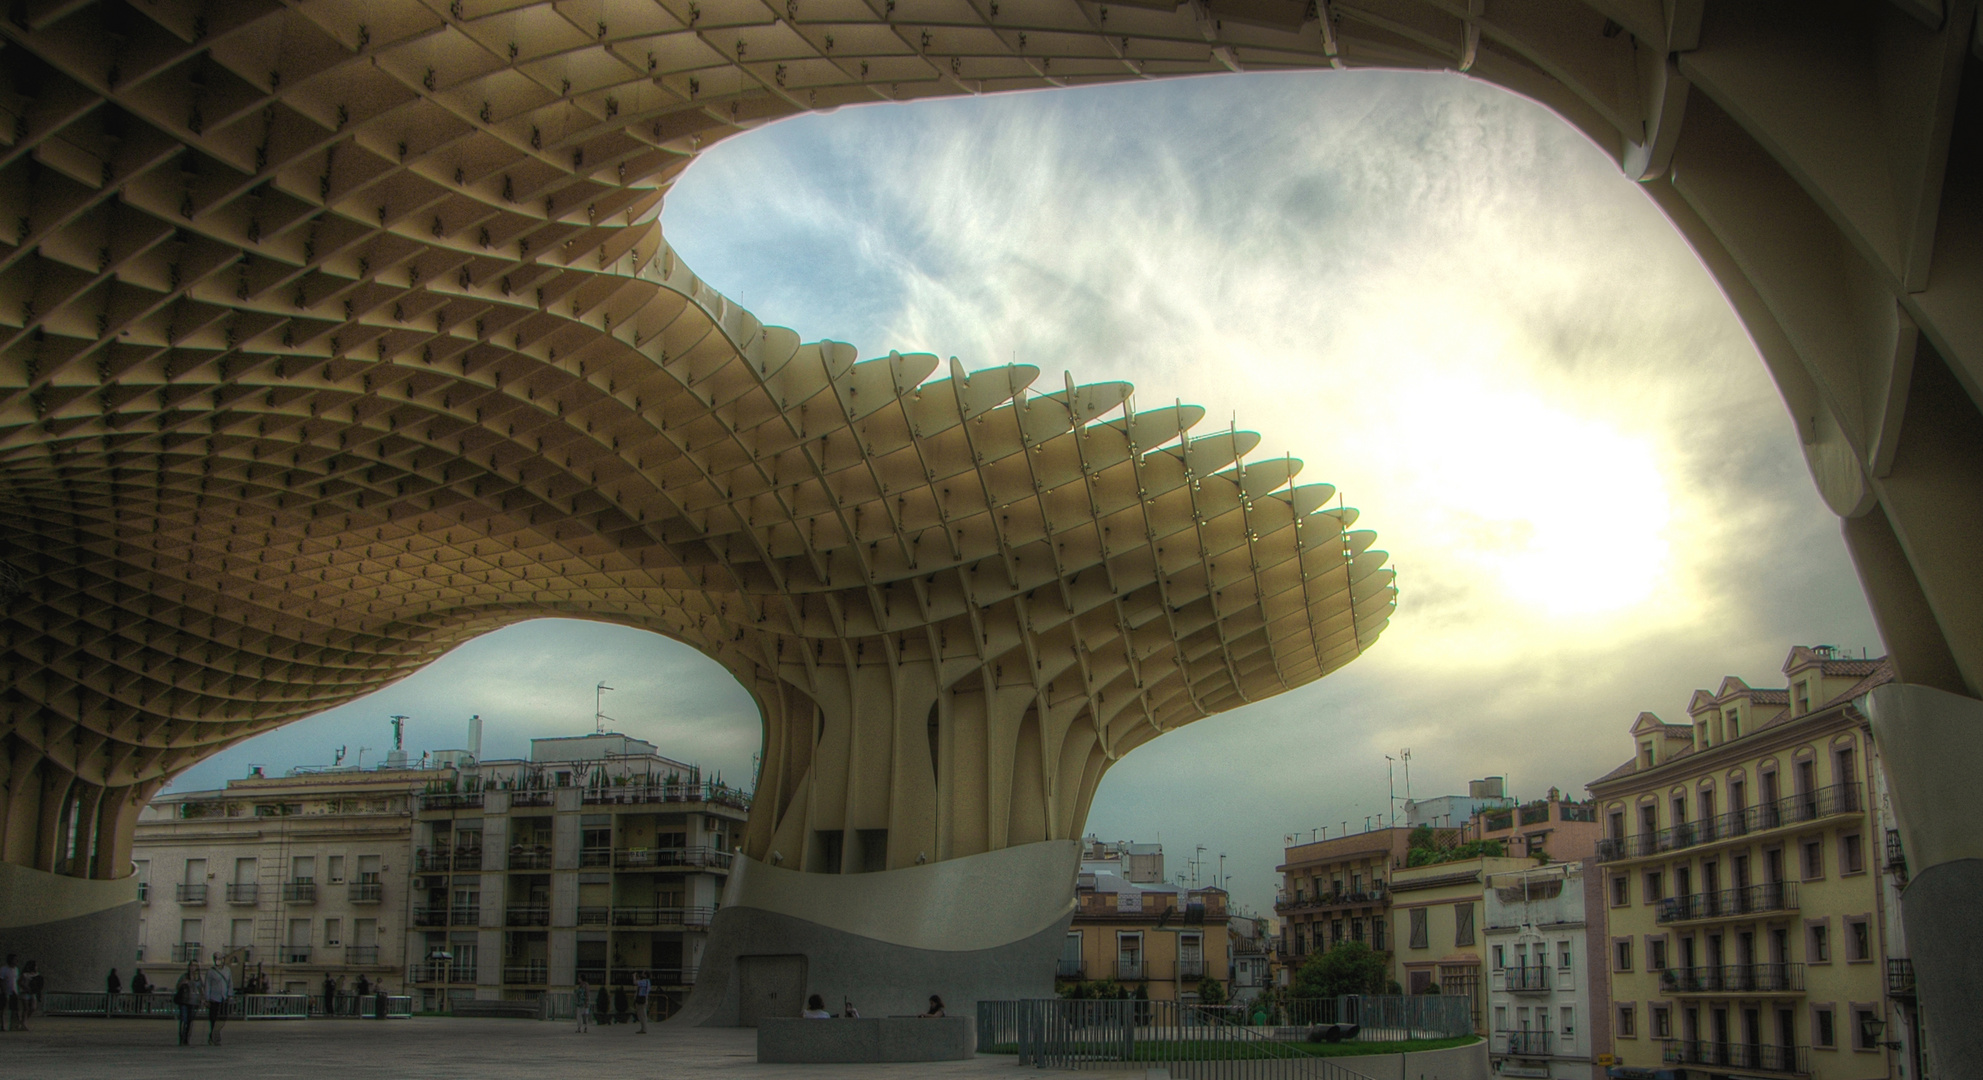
{"x":186,"y":1000}
{"x":381,"y":1001}
{"x":140,"y":986}
{"x":10,"y":994}
{"x":217,"y":989}
{"x":330,"y":996}
{"x":114,"y":984}
{"x":32,"y":984}
{"x":582,"y":1004}
{"x":642,"y":987}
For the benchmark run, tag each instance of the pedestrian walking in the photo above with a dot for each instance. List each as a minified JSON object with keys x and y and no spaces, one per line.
{"x":217,"y":988}
{"x":330,"y":996}
{"x":380,"y":1001}
{"x":602,"y":1010}
{"x":10,"y":987}
{"x":186,"y":1000}
{"x":582,"y":1004}
{"x":33,"y":985}
{"x":642,"y":987}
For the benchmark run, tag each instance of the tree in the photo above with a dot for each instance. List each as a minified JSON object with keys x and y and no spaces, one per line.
{"x":1211,"y":991}
{"x":1351,"y":967}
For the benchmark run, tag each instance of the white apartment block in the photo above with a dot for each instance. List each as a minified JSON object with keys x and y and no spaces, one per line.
{"x":594,"y":857}
{"x":292,"y":879}
{"x":1544,"y":992}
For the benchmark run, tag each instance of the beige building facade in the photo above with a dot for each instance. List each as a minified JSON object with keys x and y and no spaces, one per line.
{"x":1439,"y":913}
{"x":1156,"y":938}
{"x":1744,"y":899}
{"x":293,"y":879}
{"x":1340,"y":890}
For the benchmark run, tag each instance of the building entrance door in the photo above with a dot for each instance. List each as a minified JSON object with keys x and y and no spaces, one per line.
{"x":769,"y":986}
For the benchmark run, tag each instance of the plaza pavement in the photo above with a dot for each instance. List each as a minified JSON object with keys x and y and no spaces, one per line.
{"x":74,"y":1048}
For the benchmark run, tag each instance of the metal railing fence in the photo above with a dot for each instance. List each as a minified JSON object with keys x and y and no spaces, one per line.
{"x":1195,"y":1041}
{"x":1380,"y":1017}
{"x":158,"y":1006}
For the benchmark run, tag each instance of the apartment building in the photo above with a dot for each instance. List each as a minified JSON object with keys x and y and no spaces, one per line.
{"x":596,"y":856}
{"x":1548,"y":998}
{"x":1562,"y":829}
{"x":1745,"y":912}
{"x":294,"y":879}
{"x":1439,"y":911}
{"x":1336,"y":890}
{"x":1161,"y":938}
{"x":1252,"y":956}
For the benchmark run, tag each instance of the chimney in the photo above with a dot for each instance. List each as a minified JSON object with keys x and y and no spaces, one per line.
{"x":475,"y":738}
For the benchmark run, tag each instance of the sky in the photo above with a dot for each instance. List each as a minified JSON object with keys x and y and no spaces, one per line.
{"x":1439,"y":296}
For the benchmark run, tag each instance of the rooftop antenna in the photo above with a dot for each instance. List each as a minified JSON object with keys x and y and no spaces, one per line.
{"x":599,"y":716}
{"x":398,"y":732}
{"x":339,"y":759}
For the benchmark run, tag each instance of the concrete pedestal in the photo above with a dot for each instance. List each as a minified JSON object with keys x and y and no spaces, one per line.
{"x":984,"y":927}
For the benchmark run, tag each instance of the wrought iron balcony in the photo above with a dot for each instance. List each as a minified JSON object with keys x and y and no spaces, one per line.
{"x":1729,"y":903}
{"x":1525,"y":1043}
{"x":1792,"y":1060}
{"x":532,"y":797}
{"x":361,"y":955}
{"x":243,"y":893}
{"x":1896,"y":858}
{"x":1900,"y":977}
{"x":299,"y":892}
{"x":367,"y":892}
{"x":295,"y":954}
{"x":594,"y":915}
{"x":527,"y":915}
{"x":533,"y":859}
{"x":185,"y":952}
{"x":595,"y":856}
{"x":1129,"y":969}
{"x":1526,"y":979}
{"x":525,"y":974}
{"x":1779,"y":813}
{"x":663,"y":916}
{"x":699,"y":856}
{"x":450,"y":800}
{"x":1190,"y":969}
{"x":190,"y":894}
{"x":1734,"y":979}
{"x":1070,"y":969}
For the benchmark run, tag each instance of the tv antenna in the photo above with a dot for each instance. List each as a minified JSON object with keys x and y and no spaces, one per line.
{"x":599,"y":716}
{"x":399,"y":731}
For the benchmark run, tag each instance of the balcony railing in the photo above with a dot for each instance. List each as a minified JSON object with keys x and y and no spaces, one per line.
{"x":445,"y":914}
{"x":594,"y":915}
{"x":1729,"y":903}
{"x":663,"y":916}
{"x":299,"y":892}
{"x":295,"y":954}
{"x":532,"y":797}
{"x":450,"y":800}
{"x":461,"y":971}
{"x":1794,"y":1060}
{"x":525,"y":974}
{"x":527,"y":915}
{"x":1525,"y":1043}
{"x":361,"y":955}
{"x":642,"y":858}
{"x":242,"y":893}
{"x":1900,"y":977}
{"x":1070,"y":969}
{"x":1375,"y":894}
{"x":1523,"y":979}
{"x":536,"y":859}
{"x":667,"y":976}
{"x":1190,"y":969}
{"x":595,"y":856}
{"x":681,"y":792}
{"x":1129,"y":969}
{"x":1789,"y":810}
{"x":1734,"y":979}
{"x":1896,"y":858}
{"x":443,"y":860}
{"x":186,"y":952}
{"x":367,"y":892}
{"x":190,"y":894}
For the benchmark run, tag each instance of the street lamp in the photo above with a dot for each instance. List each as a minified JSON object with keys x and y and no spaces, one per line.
{"x":1873,"y":1027}
{"x":446,"y":960}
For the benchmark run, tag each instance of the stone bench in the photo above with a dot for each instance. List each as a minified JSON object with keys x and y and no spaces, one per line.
{"x":785,"y":1040}
{"x":508,"y":1010}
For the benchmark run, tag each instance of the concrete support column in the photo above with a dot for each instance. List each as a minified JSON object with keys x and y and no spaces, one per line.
{"x":1932,"y":744}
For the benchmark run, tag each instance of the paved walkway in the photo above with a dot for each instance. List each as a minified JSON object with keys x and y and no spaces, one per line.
{"x":66,"y":1048}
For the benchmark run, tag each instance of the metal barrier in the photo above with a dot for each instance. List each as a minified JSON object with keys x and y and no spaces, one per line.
{"x":1191,"y":1041}
{"x":1381,"y":1017}
{"x":158,"y":1006}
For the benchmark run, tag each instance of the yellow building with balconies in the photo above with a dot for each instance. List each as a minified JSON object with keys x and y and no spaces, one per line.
{"x":1742,"y":889}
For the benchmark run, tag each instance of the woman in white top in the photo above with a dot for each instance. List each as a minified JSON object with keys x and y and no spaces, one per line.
{"x":816,"y":1009}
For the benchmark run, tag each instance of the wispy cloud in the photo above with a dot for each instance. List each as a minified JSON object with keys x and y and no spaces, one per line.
{"x":1439,"y":296}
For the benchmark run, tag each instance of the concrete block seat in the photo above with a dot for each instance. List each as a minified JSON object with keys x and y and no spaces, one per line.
{"x":865,"y":1040}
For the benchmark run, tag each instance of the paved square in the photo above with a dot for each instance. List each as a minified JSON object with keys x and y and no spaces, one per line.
{"x":65,"y":1048}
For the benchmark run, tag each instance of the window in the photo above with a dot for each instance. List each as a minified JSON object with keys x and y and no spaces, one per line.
{"x":1377,"y":934}
{"x":336,"y":866}
{"x":368,"y":869}
{"x":1622,"y":954}
{"x":1803,"y":698}
{"x":1851,"y":857}
{"x":1463,"y":923}
{"x":1734,"y":724}
{"x":1822,"y":1032}
{"x":1568,"y":1023}
{"x":1814,"y":859}
{"x":1817,"y":942}
{"x":1858,"y":939}
{"x":1620,"y":891}
{"x":1500,"y":956}
{"x":333,"y":931}
{"x":1563,"y":955}
{"x":1653,"y":887}
{"x":1656,"y":953}
{"x":1862,"y":1029}
{"x":303,"y":869}
{"x":1419,"y":939}
{"x":1662,"y":1022}
{"x":1628,"y":1021}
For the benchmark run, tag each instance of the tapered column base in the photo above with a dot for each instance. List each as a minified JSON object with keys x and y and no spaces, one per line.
{"x":76,"y":929}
